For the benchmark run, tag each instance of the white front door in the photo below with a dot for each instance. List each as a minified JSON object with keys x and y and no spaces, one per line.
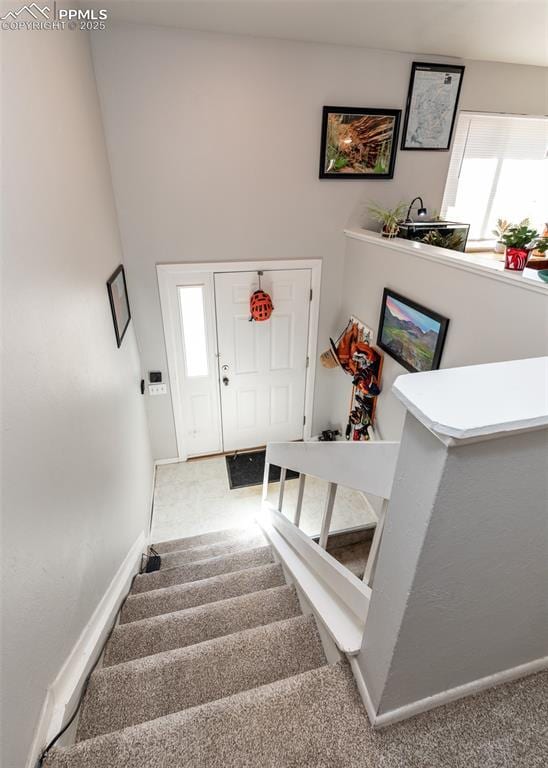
{"x":262,"y":365}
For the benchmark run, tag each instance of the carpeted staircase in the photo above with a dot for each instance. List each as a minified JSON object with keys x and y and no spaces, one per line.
{"x":213,"y":664}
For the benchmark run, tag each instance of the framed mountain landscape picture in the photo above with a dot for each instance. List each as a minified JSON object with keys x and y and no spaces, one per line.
{"x":410,"y":333}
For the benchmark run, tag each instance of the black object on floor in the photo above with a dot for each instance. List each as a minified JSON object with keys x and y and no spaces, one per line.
{"x":154,"y":561}
{"x":246,"y":469}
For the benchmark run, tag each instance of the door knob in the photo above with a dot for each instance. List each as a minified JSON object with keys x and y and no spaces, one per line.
{"x":225,"y":381}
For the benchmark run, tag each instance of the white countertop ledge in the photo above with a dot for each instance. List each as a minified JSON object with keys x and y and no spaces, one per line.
{"x":478,"y":402}
{"x":527,"y":280}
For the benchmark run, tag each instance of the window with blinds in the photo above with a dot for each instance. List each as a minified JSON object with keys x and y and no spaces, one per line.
{"x":498,"y":170}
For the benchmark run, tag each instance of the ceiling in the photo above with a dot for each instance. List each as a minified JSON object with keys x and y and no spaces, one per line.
{"x":513,"y":31}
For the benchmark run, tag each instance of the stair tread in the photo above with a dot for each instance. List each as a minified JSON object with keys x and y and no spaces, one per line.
{"x":188,"y":542}
{"x":153,"y":686}
{"x":202,"y":569}
{"x":155,"y":602}
{"x":206,"y":551}
{"x":314,"y":718}
{"x":195,"y":625}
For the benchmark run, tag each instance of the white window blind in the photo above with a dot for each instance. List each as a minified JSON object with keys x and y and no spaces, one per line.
{"x":498,"y":170}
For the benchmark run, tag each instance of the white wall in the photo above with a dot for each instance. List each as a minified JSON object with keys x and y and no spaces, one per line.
{"x":76,"y":460}
{"x":460,"y":586}
{"x":214,"y":147}
{"x":489,"y":320}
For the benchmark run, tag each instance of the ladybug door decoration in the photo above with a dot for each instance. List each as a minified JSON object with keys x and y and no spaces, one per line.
{"x":260,"y":304}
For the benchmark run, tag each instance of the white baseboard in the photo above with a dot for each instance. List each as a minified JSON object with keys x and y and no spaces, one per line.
{"x":151,"y":505}
{"x":362,"y":689}
{"x":62,"y":695}
{"x":161,"y":462}
{"x":444,"y":697}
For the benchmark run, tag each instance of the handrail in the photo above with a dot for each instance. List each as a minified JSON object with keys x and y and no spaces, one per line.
{"x":364,"y":466}
{"x":338,"y":597}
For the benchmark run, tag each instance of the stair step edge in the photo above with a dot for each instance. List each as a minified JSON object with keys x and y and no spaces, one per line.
{"x":270,"y":573}
{"x":147,"y":581}
{"x":150,"y":733}
{"x":212,"y":670}
{"x":263,"y":607}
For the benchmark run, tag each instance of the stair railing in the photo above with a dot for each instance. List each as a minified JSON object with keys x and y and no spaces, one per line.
{"x":339,"y":597}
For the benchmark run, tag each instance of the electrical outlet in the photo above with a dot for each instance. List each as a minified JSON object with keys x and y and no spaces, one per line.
{"x":157,"y":389}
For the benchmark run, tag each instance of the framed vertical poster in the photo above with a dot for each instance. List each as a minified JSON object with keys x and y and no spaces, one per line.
{"x":119,"y":302}
{"x":431,"y":109}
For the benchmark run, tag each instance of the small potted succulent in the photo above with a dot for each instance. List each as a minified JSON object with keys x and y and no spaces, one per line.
{"x":389,"y":218}
{"x":501,"y":228}
{"x":519,"y":240}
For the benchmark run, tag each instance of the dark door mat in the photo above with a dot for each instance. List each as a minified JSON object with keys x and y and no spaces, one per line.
{"x":245,"y":469}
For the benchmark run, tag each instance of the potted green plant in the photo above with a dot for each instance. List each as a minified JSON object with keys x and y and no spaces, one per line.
{"x":501,"y":228}
{"x":389,"y":218}
{"x":453,"y":241}
{"x":519,"y":240}
{"x":540,"y":246}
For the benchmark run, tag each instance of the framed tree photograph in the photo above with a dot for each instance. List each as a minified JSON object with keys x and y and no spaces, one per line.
{"x":410,"y":333}
{"x":119,"y":303}
{"x":431,"y":109}
{"x":359,"y":143}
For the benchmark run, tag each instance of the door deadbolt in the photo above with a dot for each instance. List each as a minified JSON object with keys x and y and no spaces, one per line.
{"x":225,"y":381}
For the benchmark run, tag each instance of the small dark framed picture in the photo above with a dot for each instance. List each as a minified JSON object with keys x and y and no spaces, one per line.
{"x":359,"y":143}
{"x":432,"y":102}
{"x":119,"y":302}
{"x":410,"y":333}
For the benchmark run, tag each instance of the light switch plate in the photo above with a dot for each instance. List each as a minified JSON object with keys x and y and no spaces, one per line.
{"x":157,"y":389}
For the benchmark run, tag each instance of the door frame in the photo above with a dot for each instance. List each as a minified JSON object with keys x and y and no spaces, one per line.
{"x":167,"y":279}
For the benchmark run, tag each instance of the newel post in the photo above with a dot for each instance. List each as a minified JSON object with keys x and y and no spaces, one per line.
{"x":459,"y":600}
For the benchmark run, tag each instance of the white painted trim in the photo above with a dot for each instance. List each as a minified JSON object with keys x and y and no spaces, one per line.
{"x":166,"y":273}
{"x":372,"y":558}
{"x":367,"y":466}
{"x":161,"y":462}
{"x":362,"y":689}
{"x":327,"y":514}
{"x":466,"y":404}
{"x":338,"y":597}
{"x":168,"y":282}
{"x":62,"y":695}
{"x":313,"y":326}
{"x":151,"y":505}
{"x":528,"y":280}
{"x":444,"y":697}
{"x":238,"y":266}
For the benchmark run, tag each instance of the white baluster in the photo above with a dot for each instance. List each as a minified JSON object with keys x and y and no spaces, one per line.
{"x":283,"y":472}
{"x":375,"y":544}
{"x":327,"y":513}
{"x":265,"y":480}
{"x":297,"y":518}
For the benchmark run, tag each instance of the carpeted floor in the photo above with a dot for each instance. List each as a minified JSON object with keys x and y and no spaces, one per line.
{"x":213,"y":665}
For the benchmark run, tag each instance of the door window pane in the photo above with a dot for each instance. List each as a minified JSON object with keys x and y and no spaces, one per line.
{"x":191,"y":302}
